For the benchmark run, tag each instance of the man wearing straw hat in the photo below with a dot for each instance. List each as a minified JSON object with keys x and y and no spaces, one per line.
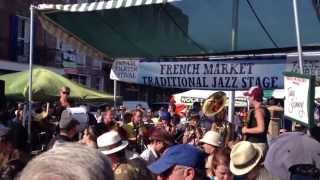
{"x":124,"y":167}
{"x":245,"y":161}
{"x":211,"y":141}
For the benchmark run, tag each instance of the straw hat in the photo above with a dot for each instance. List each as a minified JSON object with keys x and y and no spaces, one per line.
{"x":213,"y":138}
{"x":111,"y":142}
{"x":244,"y":157}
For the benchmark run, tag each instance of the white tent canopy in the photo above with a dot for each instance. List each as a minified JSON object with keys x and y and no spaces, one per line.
{"x":191,"y":96}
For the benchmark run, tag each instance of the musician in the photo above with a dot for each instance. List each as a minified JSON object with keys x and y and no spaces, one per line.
{"x":159,"y":141}
{"x":64,"y":102}
{"x":214,"y":108}
{"x":137,"y":133}
{"x":193,"y":132}
{"x":222,"y":126}
{"x":258,"y":122}
{"x":122,"y":112}
{"x":108,"y":122}
{"x":175,"y":130}
{"x":148,"y":118}
{"x":132,"y":127}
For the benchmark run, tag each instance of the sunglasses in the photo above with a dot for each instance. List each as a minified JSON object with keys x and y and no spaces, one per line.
{"x":65,"y":92}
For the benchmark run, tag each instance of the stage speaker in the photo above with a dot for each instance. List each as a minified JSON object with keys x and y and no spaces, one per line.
{"x":2,"y":96}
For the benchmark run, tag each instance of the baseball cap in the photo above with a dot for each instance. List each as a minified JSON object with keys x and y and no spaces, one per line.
{"x":182,"y":154}
{"x":165,"y":116}
{"x":256,"y":92}
{"x":67,"y":120}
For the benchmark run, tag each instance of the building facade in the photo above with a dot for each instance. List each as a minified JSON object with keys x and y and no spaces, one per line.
{"x":48,"y":51}
{"x":58,"y":56}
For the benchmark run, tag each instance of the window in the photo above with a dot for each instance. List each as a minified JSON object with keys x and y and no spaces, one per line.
{"x":67,"y":53}
{"x":23,"y":35}
{"x":70,"y":55}
{"x":78,"y":79}
{"x":81,"y":59}
{"x":96,"y":64}
{"x":83,"y":80}
{"x":97,"y":83}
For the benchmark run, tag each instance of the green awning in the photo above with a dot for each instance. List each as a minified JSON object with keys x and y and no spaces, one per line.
{"x":46,"y":85}
{"x":158,"y":28}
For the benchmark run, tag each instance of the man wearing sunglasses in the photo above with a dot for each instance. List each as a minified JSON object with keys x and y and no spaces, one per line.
{"x":64,"y":102}
{"x":180,"y":162}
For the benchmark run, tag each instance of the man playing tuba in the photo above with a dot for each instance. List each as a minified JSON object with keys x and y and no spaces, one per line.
{"x":214,"y":108}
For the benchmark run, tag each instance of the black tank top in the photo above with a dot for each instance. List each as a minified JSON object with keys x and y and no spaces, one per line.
{"x":261,"y":137}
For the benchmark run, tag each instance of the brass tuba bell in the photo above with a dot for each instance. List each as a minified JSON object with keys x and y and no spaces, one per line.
{"x":214,"y":104}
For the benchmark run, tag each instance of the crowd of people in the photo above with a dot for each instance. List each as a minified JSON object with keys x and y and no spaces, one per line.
{"x":142,"y":144}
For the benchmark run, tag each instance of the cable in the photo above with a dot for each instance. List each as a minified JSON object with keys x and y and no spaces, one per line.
{"x":261,"y":24}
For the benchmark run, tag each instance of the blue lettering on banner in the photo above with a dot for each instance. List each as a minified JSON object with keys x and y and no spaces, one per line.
{"x":223,"y":75}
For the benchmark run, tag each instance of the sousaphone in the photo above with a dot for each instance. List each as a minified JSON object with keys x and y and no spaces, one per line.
{"x":214,"y":104}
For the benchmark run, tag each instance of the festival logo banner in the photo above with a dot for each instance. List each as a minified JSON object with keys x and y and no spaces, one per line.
{"x":221,"y":74}
{"x":125,"y":70}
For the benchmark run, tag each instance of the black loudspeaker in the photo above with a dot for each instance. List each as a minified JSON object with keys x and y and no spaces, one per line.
{"x":2,"y":96}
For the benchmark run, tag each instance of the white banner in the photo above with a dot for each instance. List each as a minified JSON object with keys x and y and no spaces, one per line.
{"x":297,"y":98}
{"x":191,"y":96}
{"x":211,"y":74}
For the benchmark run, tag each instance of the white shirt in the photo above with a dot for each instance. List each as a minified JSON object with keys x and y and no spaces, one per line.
{"x":149,"y":155}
